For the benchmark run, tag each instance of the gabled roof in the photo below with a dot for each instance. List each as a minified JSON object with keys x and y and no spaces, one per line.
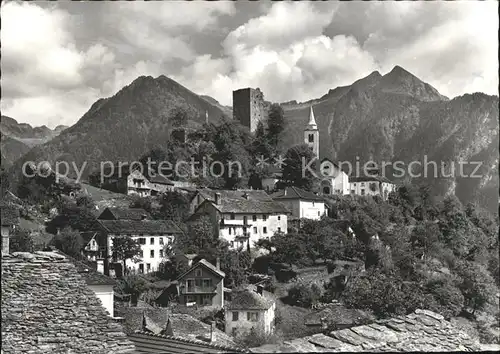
{"x":126,"y":213}
{"x":90,"y":275}
{"x":160,"y":179}
{"x":420,"y":331}
{"x":42,"y":296}
{"x":295,"y":193}
{"x":238,"y":194}
{"x":369,"y":179}
{"x":147,"y":227}
{"x":249,"y":300}
{"x":205,"y":264}
{"x":237,"y":206}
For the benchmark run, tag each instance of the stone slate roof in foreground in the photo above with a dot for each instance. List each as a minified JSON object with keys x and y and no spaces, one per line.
{"x":421,"y":331}
{"x":47,"y":308}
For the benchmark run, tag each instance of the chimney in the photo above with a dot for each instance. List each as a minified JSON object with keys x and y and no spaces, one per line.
{"x":284,"y":192}
{"x":217,"y":198}
{"x":100,"y":265}
{"x":143,"y":217}
{"x":212,"y":331}
{"x":245,"y":195}
{"x":217,"y":263}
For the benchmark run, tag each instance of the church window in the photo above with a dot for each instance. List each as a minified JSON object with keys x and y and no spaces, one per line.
{"x":311,"y":138}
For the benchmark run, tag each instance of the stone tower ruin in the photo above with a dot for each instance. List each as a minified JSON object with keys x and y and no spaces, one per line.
{"x":248,"y":107}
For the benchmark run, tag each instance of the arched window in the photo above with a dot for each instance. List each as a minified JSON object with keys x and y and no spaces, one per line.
{"x":311,"y":138}
{"x":326,"y":190}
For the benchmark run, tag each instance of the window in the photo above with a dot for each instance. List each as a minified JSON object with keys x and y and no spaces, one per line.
{"x":148,"y":267}
{"x":206,"y":299}
{"x":142,"y":254}
{"x":197,"y":282}
{"x":141,"y":268}
{"x":264,"y":217}
{"x":245,"y":220}
{"x":235,"y":316}
{"x":311,"y":138}
{"x":232,"y":216}
{"x":152,"y":253}
{"x":207,"y":283}
{"x":264,"y":230}
{"x":313,"y":203}
{"x":254,"y":217}
{"x":161,"y":241}
{"x":279,"y":229}
{"x":232,"y":244}
{"x":353,"y":191}
{"x":229,"y":231}
{"x":252,"y":316}
{"x":197,"y":272}
{"x":362,"y":184}
{"x":255,"y":229}
{"x":279,"y":218}
{"x":161,"y":253}
{"x":152,"y":241}
{"x":142,"y":241}
{"x":319,"y":214}
{"x":362,"y":192}
{"x":234,"y":332}
{"x":326,"y":190}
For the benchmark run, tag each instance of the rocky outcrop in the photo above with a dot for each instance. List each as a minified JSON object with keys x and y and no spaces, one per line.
{"x":48,"y":308}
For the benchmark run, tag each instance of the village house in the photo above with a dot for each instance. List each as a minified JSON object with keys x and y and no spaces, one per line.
{"x":202,"y":284}
{"x":371,"y":185}
{"x":334,"y":181}
{"x":245,"y":220}
{"x":152,"y":235}
{"x":250,"y":308}
{"x":270,"y":183}
{"x":9,"y":220}
{"x":302,"y":204}
{"x":47,"y":307}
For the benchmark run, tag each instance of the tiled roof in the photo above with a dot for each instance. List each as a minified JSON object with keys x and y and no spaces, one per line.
{"x":128,"y":213}
{"x":160,"y":179}
{"x":250,"y":207}
{"x":295,"y":193}
{"x":148,"y":227}
{"x":147,"y":342}
{"x":249,"y":300}
{"x":92,"y":276}
{"x":421,"y":331}
{"x":9,"y":214}
{"x":207,"y":265}
{"x":369,"y":179}
{"x":161,"y":321}
{"x":235,"y":194}
{"x":48,"y":308}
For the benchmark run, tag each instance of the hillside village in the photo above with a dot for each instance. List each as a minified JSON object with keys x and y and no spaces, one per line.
{"x":275,"y":261}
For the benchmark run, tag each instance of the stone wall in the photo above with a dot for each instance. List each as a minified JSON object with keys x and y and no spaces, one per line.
{"x":249,"y":107}
{"x":48,"y":308}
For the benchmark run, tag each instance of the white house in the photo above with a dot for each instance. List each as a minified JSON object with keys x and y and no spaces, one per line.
{"x":152,"y":235}
{"x":242,"y":221}
{"x":100,"y":284}
{"x":250,"y":309}
{"x":333,"y":179}
{"x":371,"y":185}
{"x":302,"y":204}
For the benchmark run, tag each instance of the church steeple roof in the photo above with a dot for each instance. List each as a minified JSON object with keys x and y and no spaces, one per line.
{"x":312,"y":122}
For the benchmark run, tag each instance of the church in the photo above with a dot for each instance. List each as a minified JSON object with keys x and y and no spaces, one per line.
{"x":334,"y":181}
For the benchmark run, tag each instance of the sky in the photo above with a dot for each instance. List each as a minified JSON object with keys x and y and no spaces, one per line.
{"x":60,"y":57}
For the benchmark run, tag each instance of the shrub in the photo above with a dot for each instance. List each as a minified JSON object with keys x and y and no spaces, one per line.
{"x":303,"y":295}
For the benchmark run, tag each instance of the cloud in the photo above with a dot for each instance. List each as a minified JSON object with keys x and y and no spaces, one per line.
{"x":71,"y":54}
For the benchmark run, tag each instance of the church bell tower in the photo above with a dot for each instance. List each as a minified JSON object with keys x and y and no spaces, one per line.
{"x":311,"y":134}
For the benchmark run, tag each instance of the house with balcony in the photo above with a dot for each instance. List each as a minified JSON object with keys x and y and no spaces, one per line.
{"x":250,"y":308}
{"x":202,"y":284}
{"x":244,"y":220}
{"x":303,"y":204}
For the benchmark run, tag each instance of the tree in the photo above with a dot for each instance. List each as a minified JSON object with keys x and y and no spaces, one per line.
{"x":21,"y":241}
{"x":134,"y":286}
{"x":275,"y":123}
{"x":235,"y":264}
{"x":77,"y":215}
{"x":295,"y":172}
{"x":125,"y":248}
{"x":70,"y":242}
{"x":141,"y":203}
{"x":304,"y":295}
{"x":173,"y":206}
{"x":476,"y":284}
